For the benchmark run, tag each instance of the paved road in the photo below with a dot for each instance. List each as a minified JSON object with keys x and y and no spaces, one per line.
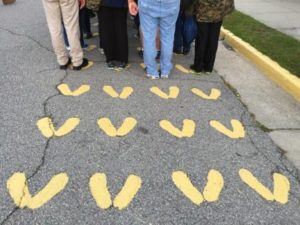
{"x":281,"y":15}
{"x":62,"y":162}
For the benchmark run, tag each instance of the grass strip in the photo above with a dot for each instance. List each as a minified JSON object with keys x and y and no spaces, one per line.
{"x":279,"y":47}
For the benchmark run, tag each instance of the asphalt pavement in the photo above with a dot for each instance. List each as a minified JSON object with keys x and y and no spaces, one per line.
{"x":151,"y":155}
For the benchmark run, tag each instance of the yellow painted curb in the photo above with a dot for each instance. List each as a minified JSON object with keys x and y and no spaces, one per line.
{"x":281,"y":76}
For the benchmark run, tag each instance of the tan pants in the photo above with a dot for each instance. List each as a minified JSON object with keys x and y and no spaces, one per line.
{"x":67,"y":12}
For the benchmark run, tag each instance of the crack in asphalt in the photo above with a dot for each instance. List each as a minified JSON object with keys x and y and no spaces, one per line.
{"x":46,"y":113}
{"x":27,"y":37}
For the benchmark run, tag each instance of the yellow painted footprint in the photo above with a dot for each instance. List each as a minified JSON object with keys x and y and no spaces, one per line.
{"x":100,"y":192}
{"x":237,"y":132}
{"x":214,"y":93}
{"x":46,"y":127}
{"x":281,"y":186}
{"x":19,"y":192}
{"x":126,"y":92}
{"x":188,"y":129}
{"x":65,"y":90}
{"x":143,"y":65}
{"x":127,"y":126}
{"x":90,"y":48}
{"x":212,"y":190}
{"x":181,"y":68}
{"x":173,"y":92}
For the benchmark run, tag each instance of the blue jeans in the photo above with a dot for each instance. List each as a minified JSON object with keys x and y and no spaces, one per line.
{"x":162,"y":14}
{"x":185,"y":33}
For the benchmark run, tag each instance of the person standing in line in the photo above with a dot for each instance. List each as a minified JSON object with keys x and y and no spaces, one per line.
{"x":210,"y":15}
{"x":157,"y":14}
{"x":186,"y":28}
{"x":67,"y":12}
{"x":113,"y":31}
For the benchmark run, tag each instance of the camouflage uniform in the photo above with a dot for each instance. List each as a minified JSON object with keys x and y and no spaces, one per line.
{"x":211,"y":11}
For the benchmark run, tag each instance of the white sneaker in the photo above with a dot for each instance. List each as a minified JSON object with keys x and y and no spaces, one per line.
{"x":152,"y":77}
{"x":164,"y":76}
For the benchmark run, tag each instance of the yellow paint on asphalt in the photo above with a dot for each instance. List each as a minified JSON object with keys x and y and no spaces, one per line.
{"x":19,"y":192}
{"x":281,"y":186}
{"x":214,"y":94}
{"x":237,"y":132}
{"x":184,"y":184}
{"x":182,"y":69}
{"x":188,"y":129}
{"x":173,"y":92}
{"x":128,"y":192}
{"x":46,"y":127}
{"x":99,"y":190}
{"x":65,"y":90}
{"x":212,"y":190}
{"x":90,"y":48}
{"x":127,"y":126}
{"x":214,"y":186}
{"x":126,"y":92}
{"x":143,"y":65}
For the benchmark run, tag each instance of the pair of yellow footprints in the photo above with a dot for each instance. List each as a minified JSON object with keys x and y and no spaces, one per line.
{"x":19,"y":191}
{"x":46,"y":127}
{"x":127,"y":91}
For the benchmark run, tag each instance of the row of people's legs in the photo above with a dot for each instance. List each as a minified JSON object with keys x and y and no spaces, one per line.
{"x":114,"y":37}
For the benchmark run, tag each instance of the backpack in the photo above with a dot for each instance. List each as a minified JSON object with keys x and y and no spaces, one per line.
{"x":93,"y":4}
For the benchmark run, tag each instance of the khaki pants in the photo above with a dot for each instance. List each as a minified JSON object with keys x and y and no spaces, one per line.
{"x":67,"y":12}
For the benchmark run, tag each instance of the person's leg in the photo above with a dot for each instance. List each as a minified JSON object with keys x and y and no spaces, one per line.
{"x":178,"y":38}
{"x":81,"y":22}
{"x":53,"y":15}
{"x":189,"y":33}
{"x":149,"y":26}
{"x":167,"y":30}
{"x":200,"y":47}
{"x":66,"y":37}
{"x":120,"y":33}
{"x":107,"y":33}
{"x":85,"y":21}
{"x":99,"y":28}
{"x":212,"y":46}
{"x":70,"y":14}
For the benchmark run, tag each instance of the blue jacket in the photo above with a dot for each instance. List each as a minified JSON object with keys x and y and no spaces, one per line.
{"x":115,"y":3}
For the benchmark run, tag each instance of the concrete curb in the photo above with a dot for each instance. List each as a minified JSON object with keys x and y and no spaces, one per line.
{"x":281,"y":76}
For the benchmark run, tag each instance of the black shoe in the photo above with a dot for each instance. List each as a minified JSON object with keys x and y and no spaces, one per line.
{"x":122,"y":65}
{"x":194,"y":69}
{"x":64,"y":67}
{"x":177,"y":52}
{"x":141,"y":53}
{"x":111,"y":65}
{"x":88,"y":36}
{"x":185,"y":52}
{"x":157,"y":55}
{"x":84,"y":65}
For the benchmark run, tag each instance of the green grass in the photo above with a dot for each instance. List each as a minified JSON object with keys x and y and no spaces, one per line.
{"x":278,"y":46}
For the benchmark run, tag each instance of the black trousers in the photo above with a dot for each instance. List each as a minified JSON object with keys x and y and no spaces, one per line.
{"x":206,"y":46}
{"x":84,"y":20}
{"x":113,"y":33}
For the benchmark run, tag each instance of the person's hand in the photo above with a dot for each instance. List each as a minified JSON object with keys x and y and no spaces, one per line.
{"x":81,"y":3}
{"x":133,"y":8}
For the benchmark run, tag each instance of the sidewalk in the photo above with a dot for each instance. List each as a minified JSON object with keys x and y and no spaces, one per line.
{"x":281,"y":15}
{"x":272,"y":107}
